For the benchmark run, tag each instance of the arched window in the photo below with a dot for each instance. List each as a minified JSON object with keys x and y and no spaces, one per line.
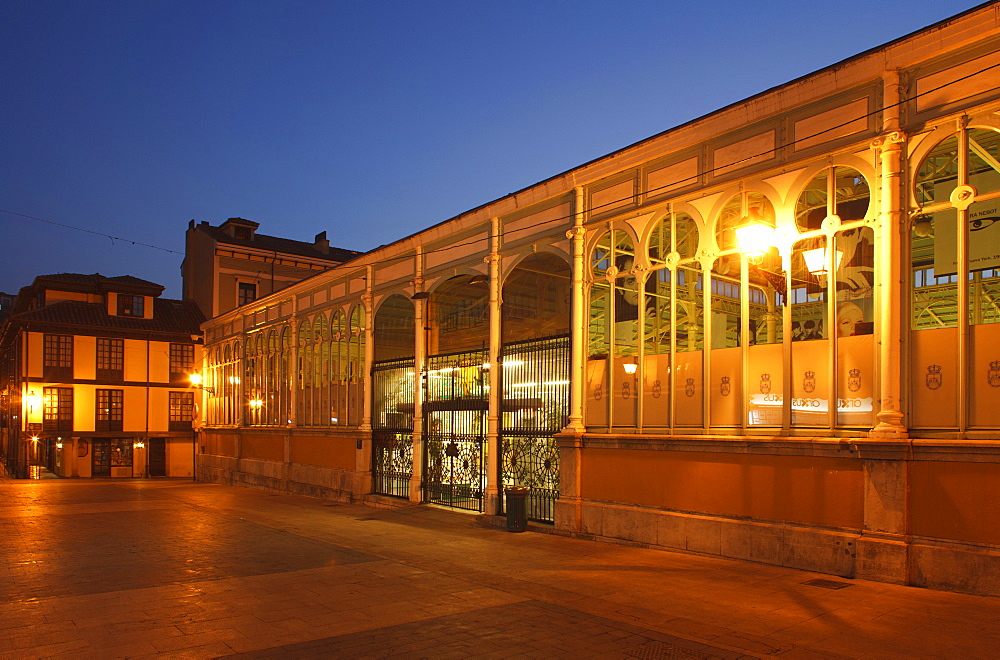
{"x":394,"y":329}
{"x":338,"y":368}
{"x":356,"y":366}
{"x":321,"y":370}
{"x":613,"y":328}
{"x":305,"y":374}
{"x":536,"y":299}
{"x":955,"y":238}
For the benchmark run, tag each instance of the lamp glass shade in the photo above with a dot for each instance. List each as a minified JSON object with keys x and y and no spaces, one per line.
{"x":630,"y":367}
{"x":195,"y":379}
{"x":815,"y":260}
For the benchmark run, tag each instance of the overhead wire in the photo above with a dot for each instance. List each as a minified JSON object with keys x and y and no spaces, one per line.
{"x":91,"y":231}
{"x":613,"y":202}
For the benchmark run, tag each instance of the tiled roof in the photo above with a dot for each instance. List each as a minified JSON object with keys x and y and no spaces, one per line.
{"x":285,"y":245}
{"x":97,"y":278}
{"x":176,"y":316}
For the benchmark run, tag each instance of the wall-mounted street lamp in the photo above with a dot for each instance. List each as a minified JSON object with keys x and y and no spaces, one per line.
{"x":630,"y":367}
{"x":138,"y":444}
{"x":32,"y":399}
{"x":196,"y":380}
{"x":755,"y":235}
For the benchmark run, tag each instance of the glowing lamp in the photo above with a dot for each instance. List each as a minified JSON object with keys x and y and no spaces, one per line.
{"x":754,"y":236}
{"x":630,"y":367}
{"x":195,"y":379}
{"x":32,"y":400}
{"x":139,"y":444}
{"x":256,"y":403}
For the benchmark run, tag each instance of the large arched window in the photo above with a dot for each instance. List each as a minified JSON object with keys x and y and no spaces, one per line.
{"x":458,"y":312}
{"x":613,"y":329}
{"x":356,"y":365}
{"x":321,"y":371}
{"x":536,"y":298}
{"x":305,"y":374}
{"x":338,"y":368}
{"x":394,"y":329}
{"x":671,"y":321}
{"x":954,"y":238}
{"x":393,"y":374}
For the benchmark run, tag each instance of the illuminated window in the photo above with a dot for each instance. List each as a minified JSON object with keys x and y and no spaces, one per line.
{"x":57,"y":359}
{"x":181,"y":361}
{"x":57,"y":408}
{"x":109,"y":410}
{"x":181,"y":410}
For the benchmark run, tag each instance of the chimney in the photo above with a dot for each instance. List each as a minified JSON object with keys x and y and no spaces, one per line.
{"x":321,"y":243}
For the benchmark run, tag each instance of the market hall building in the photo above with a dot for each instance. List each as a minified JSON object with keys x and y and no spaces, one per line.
{"x":771,"y":333}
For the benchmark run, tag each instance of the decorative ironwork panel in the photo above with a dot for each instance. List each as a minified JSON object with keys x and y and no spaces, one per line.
{"x":535,"y":406}
{"x":392,"y":463}
{"x":455,"y":429}
{"x":533,"y":463}
{"x":455,"y":470}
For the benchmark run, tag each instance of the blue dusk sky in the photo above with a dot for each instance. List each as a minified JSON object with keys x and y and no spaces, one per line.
{"x":367,"y":119}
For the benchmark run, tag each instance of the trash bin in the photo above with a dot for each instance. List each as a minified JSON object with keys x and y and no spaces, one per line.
{"x":517,"y":510}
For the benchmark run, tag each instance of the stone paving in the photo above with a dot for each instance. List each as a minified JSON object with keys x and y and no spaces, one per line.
{"x":104,"y":569}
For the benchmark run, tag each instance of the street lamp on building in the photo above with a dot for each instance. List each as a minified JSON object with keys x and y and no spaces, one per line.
{"x":32,"y":399}
{"x":755,"y":234}
{"x":196,"y":380}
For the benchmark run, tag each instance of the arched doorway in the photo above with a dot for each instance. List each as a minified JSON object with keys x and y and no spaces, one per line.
{"x":456,"y":394}
{"x":535,"y":375}
{"x":393,"y":383}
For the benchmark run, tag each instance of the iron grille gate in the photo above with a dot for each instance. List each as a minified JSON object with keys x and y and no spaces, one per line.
{"x":535,"y":386}
{"x":455,"y":405}
{"x":392,"y":427}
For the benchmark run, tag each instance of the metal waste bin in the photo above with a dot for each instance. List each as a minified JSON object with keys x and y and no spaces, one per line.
{"x":517,"y":510}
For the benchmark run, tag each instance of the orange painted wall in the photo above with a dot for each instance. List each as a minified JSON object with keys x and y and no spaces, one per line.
{"x":334,"y":452}
{"x":220,"y":444}
{"x":264,"y":447}
{"x":952,"y":500}
{"x":801,"y":489}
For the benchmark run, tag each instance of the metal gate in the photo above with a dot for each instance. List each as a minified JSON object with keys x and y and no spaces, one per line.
{"x":535,"y":386}
{"x":455,"y":406}
{"x":392,"y":427}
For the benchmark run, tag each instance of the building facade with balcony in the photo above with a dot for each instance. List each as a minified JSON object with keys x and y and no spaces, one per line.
{"x":608,"y":339}
{"x":96,"y":378}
